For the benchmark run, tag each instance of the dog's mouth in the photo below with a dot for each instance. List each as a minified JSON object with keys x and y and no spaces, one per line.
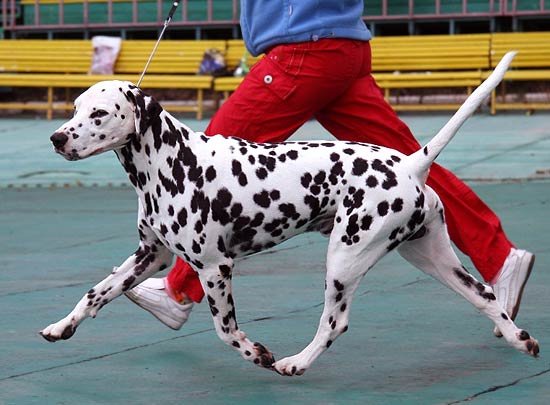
{"x":75,"y":155}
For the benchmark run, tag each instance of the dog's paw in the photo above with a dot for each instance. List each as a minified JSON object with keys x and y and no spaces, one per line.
{"x":290,"y":366}
{"x":528,"y":344}
{"x":264,"y":357}
{"x":61,"y":330}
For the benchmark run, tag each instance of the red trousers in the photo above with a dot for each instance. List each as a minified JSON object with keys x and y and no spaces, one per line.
{"x":330,"y":80}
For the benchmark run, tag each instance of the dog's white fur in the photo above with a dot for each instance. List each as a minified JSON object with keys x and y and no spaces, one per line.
{"x":210,"y":200}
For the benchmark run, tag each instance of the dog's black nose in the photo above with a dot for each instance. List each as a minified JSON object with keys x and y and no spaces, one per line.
{"x":58,"y":139}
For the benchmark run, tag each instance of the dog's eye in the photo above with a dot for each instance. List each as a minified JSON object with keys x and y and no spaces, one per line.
{"x":98,"y":114}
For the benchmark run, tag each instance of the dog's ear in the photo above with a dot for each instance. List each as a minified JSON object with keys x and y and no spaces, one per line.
{"x":146,"y":110}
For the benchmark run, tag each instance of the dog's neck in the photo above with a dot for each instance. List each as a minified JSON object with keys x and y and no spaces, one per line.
{"x":163,"y":154}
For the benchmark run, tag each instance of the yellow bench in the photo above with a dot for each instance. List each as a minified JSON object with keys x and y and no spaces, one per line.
{"x":429,"y":62}
{"x":419,"y":62}
{"x":53,"y":64}
{"x":531,"y":64}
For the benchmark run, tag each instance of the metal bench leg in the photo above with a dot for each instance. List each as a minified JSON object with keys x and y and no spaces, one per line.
{"x":49,"y":113}
{"x":200,"y":97}
{"x":217,"y":99}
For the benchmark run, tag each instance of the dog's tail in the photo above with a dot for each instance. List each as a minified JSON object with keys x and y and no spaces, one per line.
{"x":424,"y":157}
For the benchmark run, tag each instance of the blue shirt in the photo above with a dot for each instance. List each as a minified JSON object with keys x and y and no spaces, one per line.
{"x":266,"y":23}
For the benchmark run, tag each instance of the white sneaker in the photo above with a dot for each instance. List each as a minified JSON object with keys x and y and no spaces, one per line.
{"x":511,"y":281}
{"x":151,"y":295}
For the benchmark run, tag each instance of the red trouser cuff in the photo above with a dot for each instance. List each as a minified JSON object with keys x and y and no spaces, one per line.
{"x":184,"y":280}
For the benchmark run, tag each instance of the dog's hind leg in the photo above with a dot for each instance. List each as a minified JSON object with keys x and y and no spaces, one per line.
{"x":430,"y":250}
{"x":346,"y":266}
{"x":216,"y":282}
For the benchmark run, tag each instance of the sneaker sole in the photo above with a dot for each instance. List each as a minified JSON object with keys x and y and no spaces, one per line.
{"x":518,"y":303}
{"x":515,"y":310}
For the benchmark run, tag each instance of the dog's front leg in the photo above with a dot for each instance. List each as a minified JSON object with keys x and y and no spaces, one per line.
{"x":216,"y":282}
{"x":146,"y":261}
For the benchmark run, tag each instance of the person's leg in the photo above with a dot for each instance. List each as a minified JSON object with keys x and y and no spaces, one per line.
{"x":362,"y":115}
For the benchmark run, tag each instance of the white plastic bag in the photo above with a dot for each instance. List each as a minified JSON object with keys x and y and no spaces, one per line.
{"x":106,"y":50}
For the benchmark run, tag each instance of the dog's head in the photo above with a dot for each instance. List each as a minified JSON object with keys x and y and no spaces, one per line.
{"x":106,"y":117}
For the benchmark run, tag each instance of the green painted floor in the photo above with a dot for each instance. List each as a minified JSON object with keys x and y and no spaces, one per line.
{"x":64,"y":225}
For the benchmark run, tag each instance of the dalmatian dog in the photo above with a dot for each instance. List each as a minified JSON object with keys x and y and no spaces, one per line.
{"x":211,"y":200}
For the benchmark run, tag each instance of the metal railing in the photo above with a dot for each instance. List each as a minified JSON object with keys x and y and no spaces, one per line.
{"x":16,"y":14}
{"x":493,"y":8}
{"x":14,"y":17}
